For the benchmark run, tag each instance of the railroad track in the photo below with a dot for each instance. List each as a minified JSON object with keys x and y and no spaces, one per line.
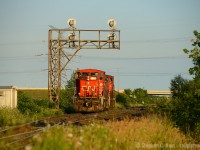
{"x":18,"y":137}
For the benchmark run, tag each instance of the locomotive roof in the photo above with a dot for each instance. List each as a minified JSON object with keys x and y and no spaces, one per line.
{"x":89,"y":70}
{"x":109,"y":75}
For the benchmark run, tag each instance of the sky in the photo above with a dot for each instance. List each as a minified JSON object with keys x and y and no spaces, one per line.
{"x":153,"y":34}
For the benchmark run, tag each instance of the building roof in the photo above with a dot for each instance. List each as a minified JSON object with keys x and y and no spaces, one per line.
{"x":7,"y":87}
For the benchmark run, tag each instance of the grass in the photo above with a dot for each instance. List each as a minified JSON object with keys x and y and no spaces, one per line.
{"x":36,"y":93}
{"x":147,"y":133}
{"x":11,"y":117}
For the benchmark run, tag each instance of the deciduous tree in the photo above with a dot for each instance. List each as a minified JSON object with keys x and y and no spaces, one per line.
{"x":194,"y":54}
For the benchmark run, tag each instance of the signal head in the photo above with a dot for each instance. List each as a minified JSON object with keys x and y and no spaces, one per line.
{"x":112,"y":23}
{"x":71,"y":22}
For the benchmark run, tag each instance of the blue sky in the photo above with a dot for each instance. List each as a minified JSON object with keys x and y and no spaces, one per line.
{"x":153,"y":34}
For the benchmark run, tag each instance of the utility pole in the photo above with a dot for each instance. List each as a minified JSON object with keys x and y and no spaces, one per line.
{"x":63,"y":44}
{"x":118,"y":73}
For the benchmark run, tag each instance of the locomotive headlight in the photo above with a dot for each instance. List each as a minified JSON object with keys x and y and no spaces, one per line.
{"x":93,"y":78}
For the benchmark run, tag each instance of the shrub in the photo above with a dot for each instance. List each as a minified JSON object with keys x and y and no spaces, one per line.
{"x":39,"y":107}
{"x":196,"y":133}
{"x":26,"y":105}
{"x":163,"y":106}
{"x":141,"y":96}
{"x":66,"y":100}
{"x":186,"y":104}
{"x":10,"y":116}
{"x":123,"y":99}
{"x":42,"y":103}
{"x":134,"y":97}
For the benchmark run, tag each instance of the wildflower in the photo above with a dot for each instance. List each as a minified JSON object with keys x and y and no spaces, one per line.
{"x":78,"y":143}
{"x":70,"y":135}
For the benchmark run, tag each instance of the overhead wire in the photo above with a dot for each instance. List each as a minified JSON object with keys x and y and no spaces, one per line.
{"x":112,"y":72}
{"x":135,"y":58}
{"x":40,"y":56}
{"x":147,"y":73}
{"x":23,"y":71}
{"x":122,"y":74}
{"x":23,"y":43}
{"x":121,"y":58}
{"x":166,"y":40}
{"x":150,"y":75}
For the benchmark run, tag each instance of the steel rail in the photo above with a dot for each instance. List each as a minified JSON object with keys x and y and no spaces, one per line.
{"x":64,"y":120}
{"x":13,"y":135}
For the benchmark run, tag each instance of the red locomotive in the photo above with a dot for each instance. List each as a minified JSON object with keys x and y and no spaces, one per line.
{"x":94,"y":90}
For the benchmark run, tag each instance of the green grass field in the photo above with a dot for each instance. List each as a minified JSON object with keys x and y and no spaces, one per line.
{"x":36,"y":93}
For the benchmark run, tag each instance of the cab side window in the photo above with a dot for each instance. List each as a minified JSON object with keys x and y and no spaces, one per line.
{"x":78,"y":75}
{"x":94,"y":74}
{"x":101,"y":76}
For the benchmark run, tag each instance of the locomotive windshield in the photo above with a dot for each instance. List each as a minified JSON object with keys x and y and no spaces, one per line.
{"x":83,"y":75}
{"x":94,"y":74}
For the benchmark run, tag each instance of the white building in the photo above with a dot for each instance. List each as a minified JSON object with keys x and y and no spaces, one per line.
{"x":8,"y":96}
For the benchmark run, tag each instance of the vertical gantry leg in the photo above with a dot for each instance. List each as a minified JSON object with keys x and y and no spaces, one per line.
{"x":57,"y":61}
{"x":54,"y":70}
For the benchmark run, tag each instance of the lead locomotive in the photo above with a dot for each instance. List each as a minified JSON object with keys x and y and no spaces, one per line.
{"x":94,"y":91}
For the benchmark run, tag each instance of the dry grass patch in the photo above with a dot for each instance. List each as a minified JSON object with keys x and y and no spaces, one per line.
{"x":147,"y":133}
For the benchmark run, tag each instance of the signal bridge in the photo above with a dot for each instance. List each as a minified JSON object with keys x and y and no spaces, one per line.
{"x":64,"y":44}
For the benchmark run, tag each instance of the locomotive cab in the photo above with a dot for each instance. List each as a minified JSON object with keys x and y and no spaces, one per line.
{"x":93,"y":90}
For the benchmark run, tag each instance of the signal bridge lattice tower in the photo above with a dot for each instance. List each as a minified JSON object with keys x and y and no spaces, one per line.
{"x":63,"y":45}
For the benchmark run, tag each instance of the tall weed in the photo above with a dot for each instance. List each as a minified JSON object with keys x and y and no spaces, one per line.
{"x":10,"y":116}
{"x":147,"y":133}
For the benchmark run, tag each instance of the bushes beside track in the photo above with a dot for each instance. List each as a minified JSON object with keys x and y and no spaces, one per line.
{"x":66,"y":100}
{"x":137,"y":97}
{"x":30,"y":108}
{"x":41,"y":107}
{"x":10,"y":116}
{"x":32,"y":99}
{"x":182,"y":109}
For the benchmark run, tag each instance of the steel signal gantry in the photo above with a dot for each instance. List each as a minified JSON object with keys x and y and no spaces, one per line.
{"x":65,"y":43}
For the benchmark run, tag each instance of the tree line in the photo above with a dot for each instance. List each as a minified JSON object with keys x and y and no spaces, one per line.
{"x":183,"y":108}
